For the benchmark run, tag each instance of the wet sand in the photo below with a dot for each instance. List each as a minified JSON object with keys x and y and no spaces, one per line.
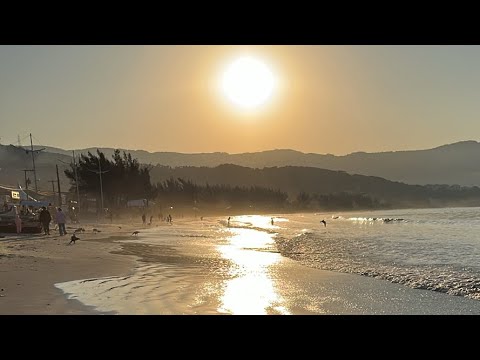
{"x":30,"y":265}
{"x":170,"y":270}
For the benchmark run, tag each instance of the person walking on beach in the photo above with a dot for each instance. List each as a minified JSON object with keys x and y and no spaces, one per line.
{"x":228,"y":222}
{"x":272,"y":221}
{"x":151,"y":219}
{"x":144,"y":219}
{"x":45,"y":218}
{"x":61,"y":219}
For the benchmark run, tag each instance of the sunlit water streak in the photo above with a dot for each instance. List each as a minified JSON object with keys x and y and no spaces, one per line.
{"x":228,"y":269}
{"x":251,"y":290}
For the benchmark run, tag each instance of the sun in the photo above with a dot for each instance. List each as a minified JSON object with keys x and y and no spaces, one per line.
{"x":248,"y":82}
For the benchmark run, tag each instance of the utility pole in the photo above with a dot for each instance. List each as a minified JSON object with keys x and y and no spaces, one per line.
{"x":33,"y":160}
{"x":53,"y":185}
{"x":101,"y":187}
{"x":76,"y":179}
{"x":100,"y":172}
{"x":59,"y":193}
{"x":26,"y":181}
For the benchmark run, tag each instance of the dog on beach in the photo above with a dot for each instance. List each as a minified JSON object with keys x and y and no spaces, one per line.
{"x":73,"y":239}
{"x":136,"y":233}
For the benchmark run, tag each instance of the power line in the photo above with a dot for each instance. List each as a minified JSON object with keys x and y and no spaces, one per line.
{"x":12,"y":140}
{"x":38,"y":141}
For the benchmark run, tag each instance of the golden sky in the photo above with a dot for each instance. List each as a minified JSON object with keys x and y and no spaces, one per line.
{"x":327,"y":99}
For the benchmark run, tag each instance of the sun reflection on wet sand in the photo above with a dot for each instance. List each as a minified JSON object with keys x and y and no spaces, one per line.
{"x":251,"y":290}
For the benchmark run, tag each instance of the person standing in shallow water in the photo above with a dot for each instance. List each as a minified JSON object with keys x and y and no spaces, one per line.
{"x":61,"y":219}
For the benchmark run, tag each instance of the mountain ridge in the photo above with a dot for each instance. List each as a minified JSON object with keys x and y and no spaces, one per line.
{"x":452,"y":164}
{"x":445,"y":164}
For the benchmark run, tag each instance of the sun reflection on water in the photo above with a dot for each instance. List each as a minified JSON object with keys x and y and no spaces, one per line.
{"x":251,"y":290}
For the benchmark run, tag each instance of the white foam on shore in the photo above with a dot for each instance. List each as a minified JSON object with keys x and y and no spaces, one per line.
{"x":205,"y":267}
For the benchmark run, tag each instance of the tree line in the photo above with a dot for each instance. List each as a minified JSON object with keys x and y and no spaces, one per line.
{"x":124,"y":178}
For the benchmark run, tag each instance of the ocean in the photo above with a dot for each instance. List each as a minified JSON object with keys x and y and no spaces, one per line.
{"x":432,"y":249}
{"x":251,"y":266}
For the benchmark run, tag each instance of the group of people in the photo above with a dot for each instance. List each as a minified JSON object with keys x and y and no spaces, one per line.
{"x":144,"y":219}
{"x":45,"y":218}
{"x":60,"y":218}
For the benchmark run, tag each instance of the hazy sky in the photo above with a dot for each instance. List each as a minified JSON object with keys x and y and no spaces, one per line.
{"x":328,"y":99}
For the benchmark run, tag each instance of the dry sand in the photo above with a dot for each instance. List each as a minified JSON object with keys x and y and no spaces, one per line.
{"x":30,"y":265}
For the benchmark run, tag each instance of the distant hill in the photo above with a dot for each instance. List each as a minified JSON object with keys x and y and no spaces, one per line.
{"x":295,"y":179}
{"x":14,"y":159}
{"x":290,"y":179}
{"x":457,"y":163}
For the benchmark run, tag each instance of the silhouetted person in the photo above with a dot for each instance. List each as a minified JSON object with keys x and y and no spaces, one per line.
{"x":228,"y":222}
{"x":45,"y":218}
{"x":151,"y":219}
{"x":61,"y":219}
{"x":144,"y":219}
{"x":324,"y":222}
{"x":272,"y":221}
{"x":169,"y":218}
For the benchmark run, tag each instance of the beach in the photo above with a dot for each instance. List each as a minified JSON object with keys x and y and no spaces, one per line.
{"x":30,"y":265}
{"x":197,"y":267}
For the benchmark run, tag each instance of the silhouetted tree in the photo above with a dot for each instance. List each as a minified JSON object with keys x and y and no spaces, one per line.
{"x":123,"y":178}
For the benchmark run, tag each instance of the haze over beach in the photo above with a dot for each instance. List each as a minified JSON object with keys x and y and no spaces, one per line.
{"x":276,"y":180}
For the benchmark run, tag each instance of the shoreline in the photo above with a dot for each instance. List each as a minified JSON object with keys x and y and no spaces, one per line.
{"x":190,"y":273}
{"x":31,"y":265}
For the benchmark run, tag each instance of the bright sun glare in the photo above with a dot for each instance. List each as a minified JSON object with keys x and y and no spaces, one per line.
{"x":248,"y":82}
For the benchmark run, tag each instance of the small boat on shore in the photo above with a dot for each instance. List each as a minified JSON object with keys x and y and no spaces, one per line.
{"x":30,"y":220}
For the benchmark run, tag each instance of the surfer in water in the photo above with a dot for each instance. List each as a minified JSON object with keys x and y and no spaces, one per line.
{"x":324,"y":222}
